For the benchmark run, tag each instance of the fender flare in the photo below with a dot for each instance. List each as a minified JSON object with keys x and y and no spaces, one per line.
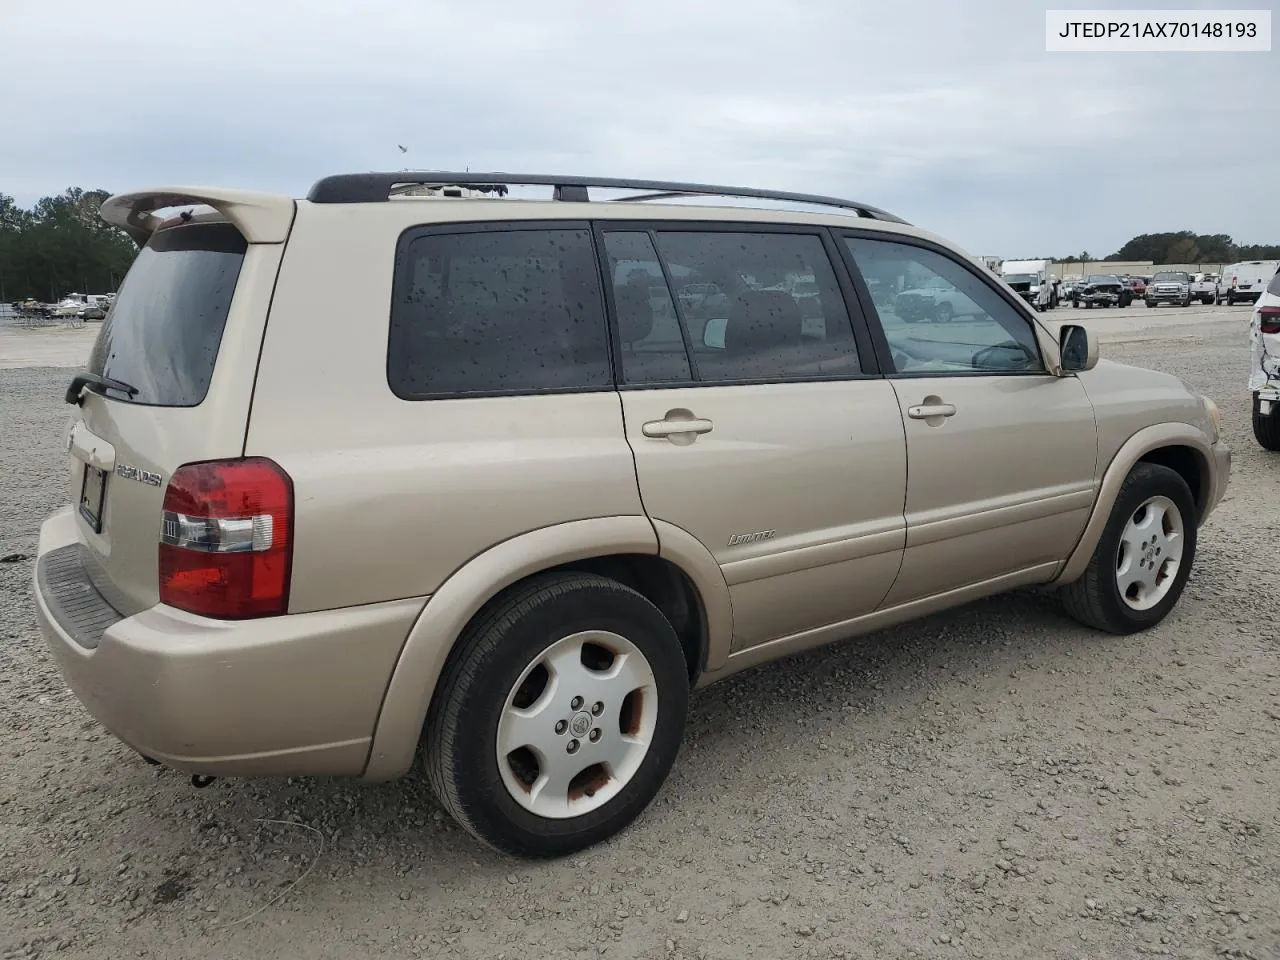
{"x":448,"y":610}
{"x":1131,"y":451}
{"x":689,"y":554}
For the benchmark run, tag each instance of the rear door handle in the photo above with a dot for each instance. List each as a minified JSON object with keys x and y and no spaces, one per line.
{"x":925,"y":411}
{"x":669,"y":428}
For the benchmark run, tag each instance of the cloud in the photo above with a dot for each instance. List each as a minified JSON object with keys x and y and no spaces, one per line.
{"x":950,"y":114}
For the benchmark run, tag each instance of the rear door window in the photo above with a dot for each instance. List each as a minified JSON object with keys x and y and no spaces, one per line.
{"x":498,"y":312}
{"x":766,"y":306}
{"x":164,"y":330}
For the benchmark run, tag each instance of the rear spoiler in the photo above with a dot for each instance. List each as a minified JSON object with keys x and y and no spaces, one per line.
{"x":261,"y":217}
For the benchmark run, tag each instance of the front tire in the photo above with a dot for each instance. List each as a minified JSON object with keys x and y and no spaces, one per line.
{"x":1142,"y":561}
{"x":558,"y":716}
{"x":1266,"y":429}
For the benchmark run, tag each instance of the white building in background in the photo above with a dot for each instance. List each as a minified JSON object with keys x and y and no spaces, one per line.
{"x":1141,"y":268}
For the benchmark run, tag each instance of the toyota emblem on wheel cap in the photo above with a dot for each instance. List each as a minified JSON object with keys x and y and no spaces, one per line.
{"x":579,"y":724}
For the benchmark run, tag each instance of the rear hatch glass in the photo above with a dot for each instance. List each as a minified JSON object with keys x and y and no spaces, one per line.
{"x":162,"y":334}
{"x":161,"y":341}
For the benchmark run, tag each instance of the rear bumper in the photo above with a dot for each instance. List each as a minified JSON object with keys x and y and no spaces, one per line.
{"x":291,"y":695}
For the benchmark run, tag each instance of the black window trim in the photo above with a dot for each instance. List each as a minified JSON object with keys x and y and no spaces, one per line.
{"x":401,"y":277}
{"x":611,"y":304}
{"x":863,"y":343}
{"x":883,"y":352}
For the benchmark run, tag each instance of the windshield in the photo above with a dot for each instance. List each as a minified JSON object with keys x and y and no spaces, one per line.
{"x":1174,"y":276}
{"x":165,"y":327}
{"x":1103,"y":278}
{"x":1020,"y":277}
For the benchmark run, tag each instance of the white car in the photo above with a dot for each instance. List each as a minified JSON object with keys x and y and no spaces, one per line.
{"x":936,"y":301}
{"x":1264,"y":365}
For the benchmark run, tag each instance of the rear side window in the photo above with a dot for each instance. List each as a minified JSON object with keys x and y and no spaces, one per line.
{"x":163,"y":332}
{"x":1273,"y":287}
{"x":498,"y":312}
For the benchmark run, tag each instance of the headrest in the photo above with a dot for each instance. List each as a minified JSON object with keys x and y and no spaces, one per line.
{"x":635,"y":311}
{"x":762,"y":320}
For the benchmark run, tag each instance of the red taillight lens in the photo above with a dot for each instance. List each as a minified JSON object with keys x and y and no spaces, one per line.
{"x":226,"y":543}
{"x":1269,"y":319}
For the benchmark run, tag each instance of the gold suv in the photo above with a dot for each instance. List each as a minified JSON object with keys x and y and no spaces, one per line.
{"x":415,"y":462}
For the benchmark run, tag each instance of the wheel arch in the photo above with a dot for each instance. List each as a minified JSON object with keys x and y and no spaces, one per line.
{"x":678,"y":576}
{"x":1181,"y":447}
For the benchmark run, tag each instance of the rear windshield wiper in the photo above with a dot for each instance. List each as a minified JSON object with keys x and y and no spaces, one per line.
{"x":81,"y":380}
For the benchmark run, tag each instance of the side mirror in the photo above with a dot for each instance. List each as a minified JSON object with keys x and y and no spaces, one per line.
{"x":1077,"y":348}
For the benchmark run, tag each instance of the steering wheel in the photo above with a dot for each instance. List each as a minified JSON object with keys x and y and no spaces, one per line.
{"x":984,"y":357}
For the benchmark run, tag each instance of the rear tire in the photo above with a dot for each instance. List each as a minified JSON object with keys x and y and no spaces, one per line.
{"x":509,"y":652}
{"x":1136,"y":554}
{"x":1266,"y":429}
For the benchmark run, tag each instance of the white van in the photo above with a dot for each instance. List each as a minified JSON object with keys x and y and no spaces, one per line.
{"x":1245,"y":281}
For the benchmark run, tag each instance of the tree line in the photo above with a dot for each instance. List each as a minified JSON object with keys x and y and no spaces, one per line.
{"x":60,"y":246}
{"x":1185,"y":246}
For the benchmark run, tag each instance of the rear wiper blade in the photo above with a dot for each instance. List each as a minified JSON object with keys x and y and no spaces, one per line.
{"x":75,"y":390}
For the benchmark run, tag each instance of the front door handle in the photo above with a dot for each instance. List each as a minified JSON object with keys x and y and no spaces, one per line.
{"x":670,"y":428}
{"x":927,"y":411}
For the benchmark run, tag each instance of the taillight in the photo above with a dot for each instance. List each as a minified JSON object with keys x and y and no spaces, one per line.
{"x":1269,"y":319}
{"x":226,"y":542}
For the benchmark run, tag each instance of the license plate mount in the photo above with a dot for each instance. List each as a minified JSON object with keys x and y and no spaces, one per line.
{"x":93,"y":493}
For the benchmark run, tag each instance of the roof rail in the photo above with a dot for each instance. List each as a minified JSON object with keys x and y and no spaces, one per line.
{"x":377,"y":187}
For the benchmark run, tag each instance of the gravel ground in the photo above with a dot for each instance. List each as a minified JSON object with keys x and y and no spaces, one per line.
{"x":996,"y":782}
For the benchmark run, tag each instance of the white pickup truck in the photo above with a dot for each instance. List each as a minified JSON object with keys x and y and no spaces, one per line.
{"x":1204,"y":287}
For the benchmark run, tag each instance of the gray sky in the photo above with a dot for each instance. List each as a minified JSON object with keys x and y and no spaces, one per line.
{"x":949,"y":113}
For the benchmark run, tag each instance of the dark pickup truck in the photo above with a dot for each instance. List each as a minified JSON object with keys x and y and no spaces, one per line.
{"x":1102,"y":290}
